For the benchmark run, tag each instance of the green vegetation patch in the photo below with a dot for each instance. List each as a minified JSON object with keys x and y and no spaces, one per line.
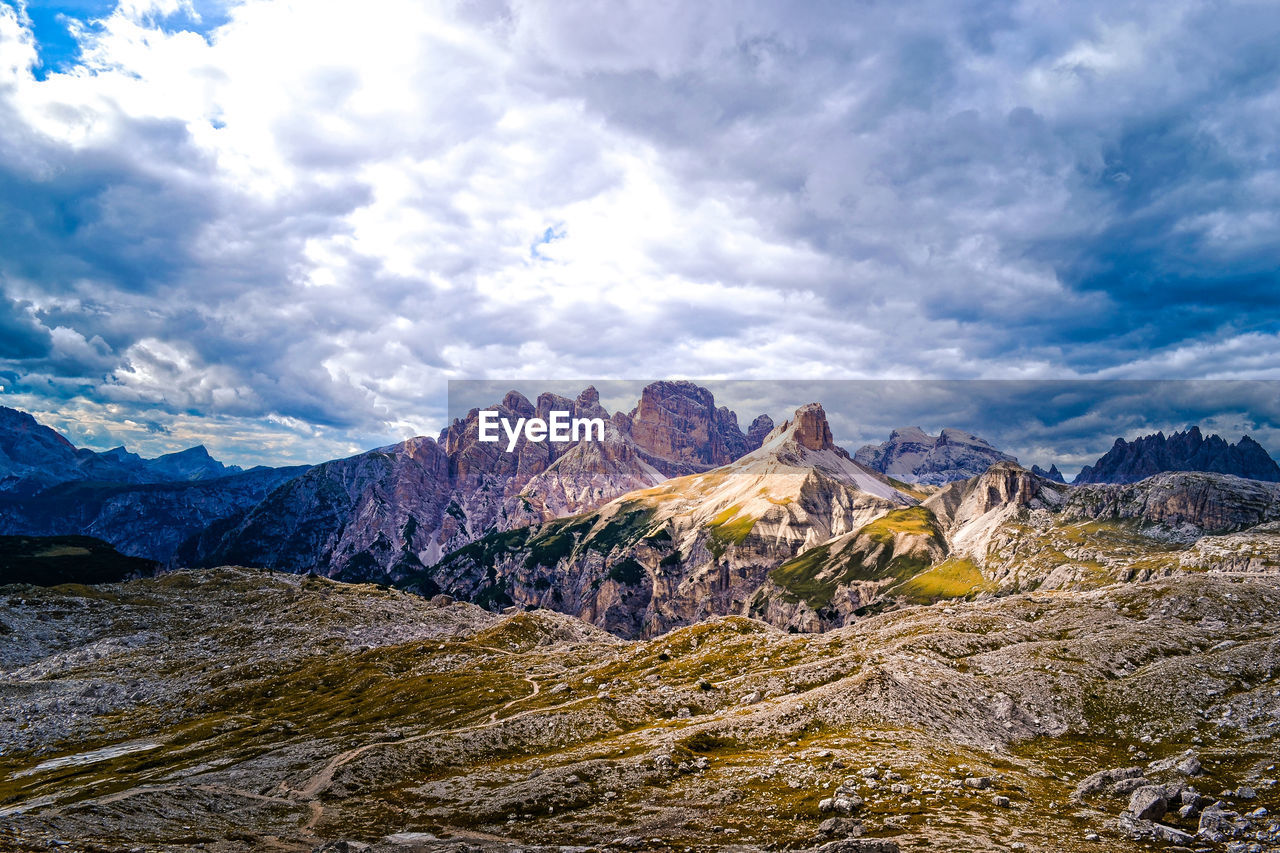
{"x":489,"y":548}
{"x":814,"y":576}
{"x":624,"y":529}
{"x":954,"y":578}
{"x":53,"y":560}
{"x":799,"y":581}
{"x":911,"y":521}
{"x":729,"y":528}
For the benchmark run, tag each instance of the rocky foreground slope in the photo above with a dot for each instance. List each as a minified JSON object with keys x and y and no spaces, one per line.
{"x":236,"y":710}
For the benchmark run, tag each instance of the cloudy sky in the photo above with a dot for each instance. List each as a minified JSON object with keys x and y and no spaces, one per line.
{"x":279,"y":228}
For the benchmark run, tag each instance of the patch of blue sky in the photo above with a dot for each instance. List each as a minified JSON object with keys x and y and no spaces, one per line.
{"x":58,"y":26}
{"x":550,"y":235}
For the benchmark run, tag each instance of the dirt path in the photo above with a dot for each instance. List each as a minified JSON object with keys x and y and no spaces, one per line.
{"x":493,"y":718}
{"x":324,"y":777}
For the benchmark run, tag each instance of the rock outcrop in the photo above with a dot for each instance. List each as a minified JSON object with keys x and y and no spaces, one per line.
{"x":913,"y":456}
{"x":680,"y":430}
{"x":1129,"y":462}
{"x":1194,"y":503}
{"x":1052,"y":474}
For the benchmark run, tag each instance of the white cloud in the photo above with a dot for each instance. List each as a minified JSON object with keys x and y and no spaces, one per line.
{"x":317,"y":212}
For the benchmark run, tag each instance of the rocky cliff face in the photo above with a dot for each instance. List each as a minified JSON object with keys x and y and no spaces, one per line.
{"x":1020,"y":531}
{"x":913,"y":456}
{"x":1192,"y":503}
{"x":1129,"y":462}
{"x":366,"y":517}
{"x":677,"y":426}
{"x":387,"y":514}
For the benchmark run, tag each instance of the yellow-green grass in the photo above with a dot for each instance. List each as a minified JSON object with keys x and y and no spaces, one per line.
{"x":954,"y":578}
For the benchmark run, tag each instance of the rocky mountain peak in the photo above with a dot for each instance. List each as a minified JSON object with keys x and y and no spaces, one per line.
{"x":679,"y":421}
{"x":912,"y":455}
{"x":1052,"y":474}
{"x":810,"y":428}
{"x":760,"y":427}
{"x":589,"y":397}
{"x":1190,"y":450}
{"x":518,"y":404}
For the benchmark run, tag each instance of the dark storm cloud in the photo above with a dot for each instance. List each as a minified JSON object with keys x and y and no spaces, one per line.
{"x":21,"y":337}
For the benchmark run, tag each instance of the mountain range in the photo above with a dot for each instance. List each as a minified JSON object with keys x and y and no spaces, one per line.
{"x":34,"y":457}
{"x":1129,"y":462}
{"x":676,"y":516}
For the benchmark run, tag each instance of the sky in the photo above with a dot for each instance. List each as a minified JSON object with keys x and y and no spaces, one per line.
{"x":280,"y":228}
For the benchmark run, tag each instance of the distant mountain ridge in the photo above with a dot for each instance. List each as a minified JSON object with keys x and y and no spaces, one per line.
{"x":1129,"y":462}
{"x":143,"y":507}
{"x":1052,"y":474}
{"x":914,"y":456}
{"x":34,"y":457}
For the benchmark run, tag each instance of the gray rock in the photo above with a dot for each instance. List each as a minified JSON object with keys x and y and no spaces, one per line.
{"x":1148,"y":803}
{"x":843,"y":827}
{"x":841,"y":803}
{"x":980,"y":783}
{"x":1125,"y":787}
{"x":860,"y":845}
{"x":1000,"y":801}
{"x":1171,"y":834}
{"x":1217,"y":824}
{"x":1096,"y":783}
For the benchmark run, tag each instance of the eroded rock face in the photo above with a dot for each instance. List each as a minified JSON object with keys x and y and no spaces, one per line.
{"x":398,"y":495}
{"x":679,"y":424}
{"x":1211,"y":503}
{"x":914,"y":456}
{"x":1129,"y":462}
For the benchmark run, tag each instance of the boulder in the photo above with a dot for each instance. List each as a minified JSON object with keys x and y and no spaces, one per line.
{"x":1148,"y":803}
{"x":1096,"y":783}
